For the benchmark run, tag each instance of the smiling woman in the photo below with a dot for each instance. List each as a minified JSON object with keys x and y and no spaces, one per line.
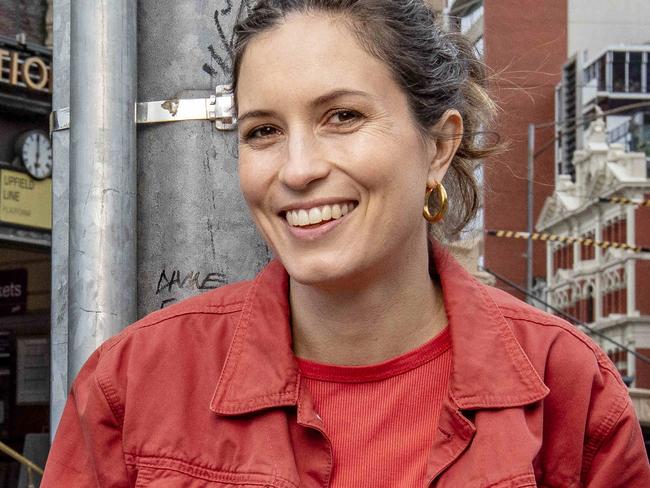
{"x":364,"y":355}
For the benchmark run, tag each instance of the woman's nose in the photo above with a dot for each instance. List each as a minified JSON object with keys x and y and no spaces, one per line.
{"x":304,"y":163}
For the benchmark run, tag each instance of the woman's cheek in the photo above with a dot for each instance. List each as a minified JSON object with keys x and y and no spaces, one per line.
{"x":251,"y":178}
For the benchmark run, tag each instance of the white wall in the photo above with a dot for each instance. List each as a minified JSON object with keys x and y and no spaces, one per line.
{"x":596,"y":24}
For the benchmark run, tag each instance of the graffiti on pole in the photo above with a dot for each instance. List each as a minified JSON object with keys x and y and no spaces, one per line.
{"x":174,"y":280}
{"x":225,"y":19}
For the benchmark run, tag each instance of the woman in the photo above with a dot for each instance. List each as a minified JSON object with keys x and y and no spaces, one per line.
{"x":362,"y":356}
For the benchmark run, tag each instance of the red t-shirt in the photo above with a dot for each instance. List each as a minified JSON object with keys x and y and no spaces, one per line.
{"x":381,"y":418}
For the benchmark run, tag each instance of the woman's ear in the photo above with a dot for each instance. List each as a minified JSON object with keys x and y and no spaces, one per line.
{"x":447,"y":135}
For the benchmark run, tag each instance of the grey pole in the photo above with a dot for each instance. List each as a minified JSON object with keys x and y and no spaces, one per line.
{"x":194,"y":232}
{"x":531,"y":210}
{"x":102,"y":247}
{"x":60,"y":214}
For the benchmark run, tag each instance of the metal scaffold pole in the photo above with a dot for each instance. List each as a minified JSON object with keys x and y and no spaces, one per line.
{"x":60,"y":214}
{"x":102,"y":243}
{"x":530,"y":257}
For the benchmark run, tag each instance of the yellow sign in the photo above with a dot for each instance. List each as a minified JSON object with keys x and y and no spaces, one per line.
{"x":20,"y":69}
{"x":24,"y":200}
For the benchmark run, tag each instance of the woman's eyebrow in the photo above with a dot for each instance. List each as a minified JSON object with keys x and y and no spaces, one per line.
{"x":333,"y":95}
{"x":256,"y":113}
{"x":321,"y":100}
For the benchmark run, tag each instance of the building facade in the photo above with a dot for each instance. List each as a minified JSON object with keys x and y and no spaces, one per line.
{"x":604,"y":287}
{"x":617,"y":82}
{"x":538,"y":53}
{"x":557,"y":66}
{"x":525,"y":44}
{"x":25,"y":226}
{"x":602,"y":135}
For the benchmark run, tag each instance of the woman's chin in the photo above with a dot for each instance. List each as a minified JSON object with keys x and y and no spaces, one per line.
{"x":316,"y":272}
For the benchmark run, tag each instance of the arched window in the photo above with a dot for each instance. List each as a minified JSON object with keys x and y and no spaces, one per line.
{"x":589,"y":299}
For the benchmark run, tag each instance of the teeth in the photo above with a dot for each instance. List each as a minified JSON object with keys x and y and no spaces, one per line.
{"x":303,"y":218}
{"x":316,"y":215}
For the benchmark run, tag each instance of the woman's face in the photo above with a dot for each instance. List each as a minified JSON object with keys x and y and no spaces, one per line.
{"x":331,"y":162}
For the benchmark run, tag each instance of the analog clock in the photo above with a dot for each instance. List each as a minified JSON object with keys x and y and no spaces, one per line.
{"x":35,"y":151}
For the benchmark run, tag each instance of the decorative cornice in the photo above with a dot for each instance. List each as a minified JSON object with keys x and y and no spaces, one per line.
{"x":602,"y":170}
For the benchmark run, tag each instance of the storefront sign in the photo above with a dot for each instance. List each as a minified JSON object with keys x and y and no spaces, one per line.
{"x":24,"y":200}
{"x":26,"y":70}
{"x":13,"y":292}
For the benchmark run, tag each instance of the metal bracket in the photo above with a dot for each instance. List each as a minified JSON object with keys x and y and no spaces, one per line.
{"x":218,"y":108}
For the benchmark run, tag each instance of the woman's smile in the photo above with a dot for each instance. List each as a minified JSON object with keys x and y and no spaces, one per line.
{"x":310,"y":216}
{"x":311,"y":223}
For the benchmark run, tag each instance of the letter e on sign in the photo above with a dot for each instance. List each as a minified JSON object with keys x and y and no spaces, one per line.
{"x":13,"y":291}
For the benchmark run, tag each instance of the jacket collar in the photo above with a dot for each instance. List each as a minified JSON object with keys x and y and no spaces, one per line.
{"x":489,"y":366}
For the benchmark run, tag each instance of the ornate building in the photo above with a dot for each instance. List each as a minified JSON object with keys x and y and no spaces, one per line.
{"x":606,"y":288}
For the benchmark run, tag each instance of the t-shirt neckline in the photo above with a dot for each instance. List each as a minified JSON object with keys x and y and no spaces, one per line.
{"x":378,"y":371}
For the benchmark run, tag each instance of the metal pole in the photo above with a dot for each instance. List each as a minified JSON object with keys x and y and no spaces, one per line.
{"x":102,"y":247}
{"x":194,"y":232}
{"x":60,"y":215}
{"x":531,"y":211}
{"x":4,"y":448}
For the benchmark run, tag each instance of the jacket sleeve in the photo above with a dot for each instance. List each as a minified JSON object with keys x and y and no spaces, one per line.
{"x":621,"y":459}
{"x":87,"y":449}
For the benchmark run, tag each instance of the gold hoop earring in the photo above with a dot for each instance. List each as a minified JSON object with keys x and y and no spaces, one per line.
{"x":435,"y":216}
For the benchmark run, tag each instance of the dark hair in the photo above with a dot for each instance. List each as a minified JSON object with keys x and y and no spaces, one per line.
{"x":437,"y":70}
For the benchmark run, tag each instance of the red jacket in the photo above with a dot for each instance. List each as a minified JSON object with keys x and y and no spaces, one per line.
{"x":207,"y":393}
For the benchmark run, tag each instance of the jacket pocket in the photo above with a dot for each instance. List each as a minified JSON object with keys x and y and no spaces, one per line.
{"x":526,"y":480}
{"x":162,"y":478}
{"x":173,"y":473}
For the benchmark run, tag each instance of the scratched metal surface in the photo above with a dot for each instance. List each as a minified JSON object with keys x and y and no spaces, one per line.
{"x":60,"y":214}
{"x":102,"y":251}
{"x":194,"y":231}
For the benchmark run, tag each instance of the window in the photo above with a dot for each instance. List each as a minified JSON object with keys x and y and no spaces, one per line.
{"x":590,"y":316}
{"x":618,"y":72}
{"x":647,"y":73}
{"x":634,"y":72}
{"x":602,"y":74}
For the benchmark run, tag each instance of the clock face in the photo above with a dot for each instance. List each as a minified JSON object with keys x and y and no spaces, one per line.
{"x":36,"y":152}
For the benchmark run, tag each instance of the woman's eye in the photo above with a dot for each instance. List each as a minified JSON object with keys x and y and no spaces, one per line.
{"x":262,"y":132}
{"x":344,"y":116}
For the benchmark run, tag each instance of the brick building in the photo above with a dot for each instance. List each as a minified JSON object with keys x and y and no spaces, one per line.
{"x":525,"y":44}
